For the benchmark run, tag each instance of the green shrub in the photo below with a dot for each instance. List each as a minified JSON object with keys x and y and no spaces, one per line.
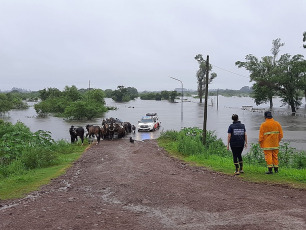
{"x":299,"y":161}
{"x":14,"y":168}
{"x":255,"y":156}
{"x":189,"y":142}
{"x":170,"y":134}
{"x":38,"y":158}
{"x":21,"y":149}
{"x":287,"y":156}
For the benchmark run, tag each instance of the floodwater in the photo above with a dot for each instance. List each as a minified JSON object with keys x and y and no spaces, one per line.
{"x":174,"y":116}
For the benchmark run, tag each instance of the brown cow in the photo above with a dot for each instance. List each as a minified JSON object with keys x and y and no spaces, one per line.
{"x":93,"y":130}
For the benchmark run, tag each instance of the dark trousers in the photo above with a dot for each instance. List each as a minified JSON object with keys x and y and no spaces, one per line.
{"x":237,"y":154}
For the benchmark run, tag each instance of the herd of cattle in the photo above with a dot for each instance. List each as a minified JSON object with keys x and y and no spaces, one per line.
{"x":111,"y":127}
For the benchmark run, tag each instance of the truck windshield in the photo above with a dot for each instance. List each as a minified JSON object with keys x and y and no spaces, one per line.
{"x":147,"y":120}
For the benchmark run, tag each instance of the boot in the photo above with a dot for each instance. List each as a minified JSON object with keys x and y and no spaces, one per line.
{"x":237,"y":169}
{"x":241,"y":167}
{"x":270,"y":170}
{"x":276,"y":169}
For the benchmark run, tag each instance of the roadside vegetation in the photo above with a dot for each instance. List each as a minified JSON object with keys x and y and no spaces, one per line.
{"x":187,"y":145}
{"x":29,"y":160}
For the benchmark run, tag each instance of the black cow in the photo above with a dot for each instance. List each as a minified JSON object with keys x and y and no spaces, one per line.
{"x":127,"y":126}
{"x":133,"y":128}
{"x":75,"y":132}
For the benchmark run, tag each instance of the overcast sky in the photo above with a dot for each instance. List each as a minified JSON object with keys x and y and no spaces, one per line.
{"x":140,"y":43}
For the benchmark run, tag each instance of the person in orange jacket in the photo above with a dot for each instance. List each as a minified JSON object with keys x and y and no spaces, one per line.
{"x":270,"y":134}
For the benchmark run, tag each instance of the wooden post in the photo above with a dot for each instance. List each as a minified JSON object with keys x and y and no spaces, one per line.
{"x":217,"y":99}
{"x":206,"y":98}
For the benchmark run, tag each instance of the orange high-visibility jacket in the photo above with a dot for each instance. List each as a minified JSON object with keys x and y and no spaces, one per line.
{"x":270,"y":134}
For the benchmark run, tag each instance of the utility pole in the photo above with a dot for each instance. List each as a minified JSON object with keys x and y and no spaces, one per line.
{"x":206,"y":98}
{"x":217,"y":99}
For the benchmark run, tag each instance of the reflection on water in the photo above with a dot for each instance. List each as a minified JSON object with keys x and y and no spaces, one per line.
{"x":145,"y":136}
{"x":218,"y":119}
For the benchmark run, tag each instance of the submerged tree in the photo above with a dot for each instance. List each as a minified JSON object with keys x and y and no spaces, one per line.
{"x":201,"y":75}
{"x":263,"y":73}
{"x":122,"y":94}
{"x":71,"y":103}
{"x":291,"y":80}
{"x":44,"y":94}
{"x":173,"y":95}
{"x":284,"y":77}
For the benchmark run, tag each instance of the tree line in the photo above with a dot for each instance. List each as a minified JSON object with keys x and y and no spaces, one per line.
{"x":73,"y":103}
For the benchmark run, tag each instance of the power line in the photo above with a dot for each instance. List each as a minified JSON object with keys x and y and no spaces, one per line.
{"x":230,"y":71}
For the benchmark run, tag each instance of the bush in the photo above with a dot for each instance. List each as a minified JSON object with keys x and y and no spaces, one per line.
{"x":22,"y":150}
{"x":255,"y":156}
{"x":71,"y":103}
{"x":170,"y":134}
{"x":38,"y":158}
{"x":189,"y":142}
{"x":80,"y":109}
{"x":287,"y":156}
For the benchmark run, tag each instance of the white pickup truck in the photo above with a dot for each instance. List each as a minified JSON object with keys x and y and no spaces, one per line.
{"x":150,"y":122}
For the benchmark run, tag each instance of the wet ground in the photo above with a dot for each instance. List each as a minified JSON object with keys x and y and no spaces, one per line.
{"x":123,"y":185}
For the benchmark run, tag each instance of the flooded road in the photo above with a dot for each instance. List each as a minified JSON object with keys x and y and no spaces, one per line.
{"x":219,"y":114}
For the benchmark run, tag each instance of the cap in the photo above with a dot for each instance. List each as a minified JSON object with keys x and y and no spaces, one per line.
{"x":268,"y":114}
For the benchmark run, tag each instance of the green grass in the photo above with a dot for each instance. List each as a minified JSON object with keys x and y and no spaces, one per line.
{"x":17,"y":186}
{"x":224,"y":163}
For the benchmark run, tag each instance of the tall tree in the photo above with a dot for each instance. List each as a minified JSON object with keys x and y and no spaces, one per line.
{"x":276,"y":44}
{"x":291,"y":80}
{"x":304,"y":39}
{"x":262,"y":72}
{"x":201,"y":75}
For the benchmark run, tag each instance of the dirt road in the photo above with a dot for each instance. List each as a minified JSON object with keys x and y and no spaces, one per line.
{"x":123,"y":185}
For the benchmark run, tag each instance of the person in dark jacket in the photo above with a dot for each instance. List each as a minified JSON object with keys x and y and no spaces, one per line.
{"x":237,"y":139}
